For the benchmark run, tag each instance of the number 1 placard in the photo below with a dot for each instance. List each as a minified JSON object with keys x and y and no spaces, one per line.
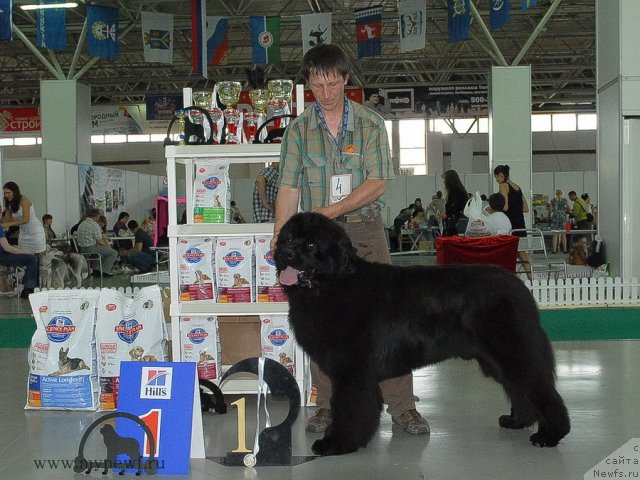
{"x":162,"y":395}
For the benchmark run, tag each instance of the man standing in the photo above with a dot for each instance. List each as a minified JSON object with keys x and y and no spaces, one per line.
{"x":140,"y":256}
{"x":335,"y":158}
{"x":264,"y":194}
{"x":92,"y":240}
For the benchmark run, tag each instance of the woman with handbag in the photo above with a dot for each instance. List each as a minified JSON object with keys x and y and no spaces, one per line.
{"x":453,"y":215}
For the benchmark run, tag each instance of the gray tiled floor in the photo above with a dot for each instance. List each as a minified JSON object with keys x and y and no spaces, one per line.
{"x":597,"y":379}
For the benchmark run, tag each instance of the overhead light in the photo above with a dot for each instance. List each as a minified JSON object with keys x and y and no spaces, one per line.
{"x":49,"y":5}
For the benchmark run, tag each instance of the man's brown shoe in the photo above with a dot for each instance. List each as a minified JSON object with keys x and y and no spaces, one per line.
{"x":412,"y":422}
{"x":320,"y":421}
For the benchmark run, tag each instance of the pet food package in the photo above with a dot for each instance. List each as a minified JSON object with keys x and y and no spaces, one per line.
{"x":127,"y":329}
{"x":268,"y":288}
{"x":234,"y":269}
{"x":211,"y":193}
{"x":200,"y":340}
{"x":195,"y":269}
{"x":62,"y":356}
{"x":276,"y":340}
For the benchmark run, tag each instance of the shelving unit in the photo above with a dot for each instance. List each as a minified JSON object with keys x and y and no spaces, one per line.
{"x":185,"y":157}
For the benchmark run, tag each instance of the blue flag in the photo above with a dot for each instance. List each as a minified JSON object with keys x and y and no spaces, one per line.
{"x":498,"y":13}
{"x":103,"y":31}
{"x":527,"y":4}
{"x":5,"y":20}
{"x":51,"y":27}
{"x":369,"y":31}
{"x":265,"y":39}
{"x":458,"y":16}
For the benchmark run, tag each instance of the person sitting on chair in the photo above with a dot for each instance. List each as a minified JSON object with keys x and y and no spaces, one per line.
{"x":91,"y":239}
{"x":11,"y":256}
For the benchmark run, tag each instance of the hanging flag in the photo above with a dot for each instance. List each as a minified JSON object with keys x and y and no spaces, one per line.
{"x":198,"y":30}
{"x":6,"y":20}
{"x":157,"y":37}
{"x":527,"y":4}
{"x":103,"y":31}
{"x":265,"y":39}
{"x":217,"y":40}
{"x":51,"y":27}
{"x":459,"y":16}
{"x":316,"y":30}
{"x":369,"y":31}
{"x":498,"y":13}
{"x":412,"y":15}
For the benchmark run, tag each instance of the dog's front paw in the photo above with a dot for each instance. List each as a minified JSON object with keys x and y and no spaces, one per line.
{"x":541,"y":440}
{"x":325,"y":446}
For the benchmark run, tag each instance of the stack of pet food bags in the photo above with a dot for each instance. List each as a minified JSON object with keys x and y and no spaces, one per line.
{"x":82,"y":336}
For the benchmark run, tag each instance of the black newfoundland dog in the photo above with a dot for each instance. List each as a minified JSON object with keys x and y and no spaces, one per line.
{"x":363,"y":322}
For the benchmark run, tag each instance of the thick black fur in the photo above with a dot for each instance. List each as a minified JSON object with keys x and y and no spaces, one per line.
{"x":364,"y":322}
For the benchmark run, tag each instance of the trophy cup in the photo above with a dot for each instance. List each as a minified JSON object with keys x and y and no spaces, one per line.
{"x":229,"y":93}
{"x":259,"y":100}
{"x":252,"y":119}
{"x":280,"y":95}
{"x":203,"y":100}
{"x":181,"y":115}
{"x":216,"y":116}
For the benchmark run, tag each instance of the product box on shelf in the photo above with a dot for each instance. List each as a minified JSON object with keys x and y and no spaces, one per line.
{"x":239,"y":338}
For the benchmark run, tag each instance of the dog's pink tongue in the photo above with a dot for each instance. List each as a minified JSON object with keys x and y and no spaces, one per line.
{"x":289,"y":276}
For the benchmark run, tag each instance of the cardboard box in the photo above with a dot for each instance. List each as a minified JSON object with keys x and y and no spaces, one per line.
{"x":239,"y":338}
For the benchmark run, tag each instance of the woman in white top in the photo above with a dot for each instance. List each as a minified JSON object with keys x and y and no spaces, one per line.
{"x":32,"y":237}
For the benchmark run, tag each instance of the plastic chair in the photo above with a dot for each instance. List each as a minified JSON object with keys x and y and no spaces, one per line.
{"x":539,"y":262}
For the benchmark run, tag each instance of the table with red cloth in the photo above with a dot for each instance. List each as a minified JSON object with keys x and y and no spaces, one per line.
{"x":501,"y":250}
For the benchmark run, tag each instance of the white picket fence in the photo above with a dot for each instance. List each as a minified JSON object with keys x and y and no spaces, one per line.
{"x":570,"y":292}
{"x":585,"y":292}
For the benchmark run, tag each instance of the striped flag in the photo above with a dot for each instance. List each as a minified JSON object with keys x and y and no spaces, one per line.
{"x":6,"y":20}
{"x":157,"y":37}
{"x":499,"y":13}
{"x":458,"y":16}
{"x":103,"y":27}
{"x":217,"y":40}
{"x":412,"y":15}
{"x":265,"y":39}
{"x":51,"y":27}
{"x":198,"y":30}
{"x":527,"y":4}
{"x":369,"y":31}
{"x":316,"y":30}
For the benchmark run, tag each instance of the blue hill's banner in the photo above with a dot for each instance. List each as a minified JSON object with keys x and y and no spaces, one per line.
{"x":527,"y":4}
{"x":459,"y":16}
{"x":162,"y":107}
{"x":5,"y":20}
{"x":265,"y":39}
{"x":198,"y":44}
{"x":157,"y":37}
{"x":498,"y":13}
{"x":103,"y":31}
{"x":217,"y":40}
{"x":369,"y":31}
{"x":51,"y":27}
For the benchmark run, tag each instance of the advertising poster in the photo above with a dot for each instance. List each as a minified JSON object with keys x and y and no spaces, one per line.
{"x":19,"y":120}
{"x":116,"y":119}
{"x":102,"y":188}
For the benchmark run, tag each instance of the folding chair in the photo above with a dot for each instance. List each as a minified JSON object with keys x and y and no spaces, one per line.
{"x":539,"y":262}
{"x":92,"y":259}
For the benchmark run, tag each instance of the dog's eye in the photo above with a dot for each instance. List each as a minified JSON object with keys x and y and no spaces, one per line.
{"x":311,"y":245}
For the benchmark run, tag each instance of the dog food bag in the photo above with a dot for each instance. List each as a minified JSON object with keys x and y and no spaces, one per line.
{"x":276,"y":340}
{"x":268,"y":288}
{"x":62,"y":356}
{"x":234,"y":269}
{"x":127,"y":329}
{"x":201,"y":344}
{"x":211,"y":193}
{"x":195,"y":269}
